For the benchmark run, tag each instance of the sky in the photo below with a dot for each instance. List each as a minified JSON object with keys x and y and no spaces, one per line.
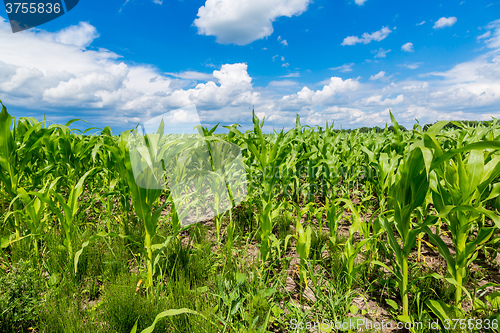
{"x":117,"y":63}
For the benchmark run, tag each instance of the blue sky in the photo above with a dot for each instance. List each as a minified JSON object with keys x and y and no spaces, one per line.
{"x":120,"y":62}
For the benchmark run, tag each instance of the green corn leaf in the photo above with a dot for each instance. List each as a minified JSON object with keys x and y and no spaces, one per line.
{"x":169,"y":313}
{"x":451,"y":153}
{"x":475,"y":167}
{"x":443,"y":249}
{"x":442,"y":310}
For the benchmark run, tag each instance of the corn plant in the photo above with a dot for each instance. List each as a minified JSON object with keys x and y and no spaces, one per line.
{"x":303,"y":238}
{"x":333,"y":216}
{"x":144,"y":198}
{"x":461,"y":185}
{"x":10,"y":174}
{"x":407,"y":193}
{"x":66,"y":211}
{"x":268,"y":161}
{"x":351,"y":248}
{"x":34,"y":213}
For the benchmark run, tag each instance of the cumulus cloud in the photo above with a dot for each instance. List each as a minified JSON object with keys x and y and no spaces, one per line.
{"x":470,"y":84}
{"x":334,"y":87}
{"x":244,"y":21}
{"x":56,"y":70}
{"x":360,"y":2}
{"x":87,"y":88}
{"x":346,"y":116}
{"x":444,"y":22}
{"x":408,"y":47}
{"x":81,"y":35}
{"x":235,"y":88}
{"x":367,"y":38}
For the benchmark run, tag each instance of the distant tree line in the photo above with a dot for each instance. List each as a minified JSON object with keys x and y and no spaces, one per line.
{"x":458,"y":124}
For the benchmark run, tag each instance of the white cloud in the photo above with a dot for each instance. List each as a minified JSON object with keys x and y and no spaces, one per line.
{"x":87,"y":88}
{"x":487,"y":34}
{"x":347,"y":116}
{"x":414,"y":65}
{"x":367,"y":38}
{"x":158,"y":2}
{"x":81,"y":35}
{"x":378,"y":76}
{"x":192,"y":75}
{"x":21,"y":79}
{"x":360,"y":2}
{"x":344,"y":68}
{"x":55,"y":70}
{"x":380,"y":53}
{"x":494,"y":41}
{"x":377,"y":100}
{"x":334,"y":87}
{"x":444,"y":22}
{"x":408,"y":47}
{"x":244,"y":21}
{"x":472,"y":83}
{"x":421,"y":23}
{"x":235,"y":89}
{"x":282,"y":41}
{"x":283,"y":83}
{"x":416,"y":86}
{"x":62,"y":76}
{"x":295,"y":74}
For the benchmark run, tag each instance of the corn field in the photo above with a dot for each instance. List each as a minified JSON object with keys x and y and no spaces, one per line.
{"x":377,"y":230}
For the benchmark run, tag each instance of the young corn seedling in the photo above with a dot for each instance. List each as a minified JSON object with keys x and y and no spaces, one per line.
{"x":34,"y":209}
{"x":352,"y":249}
{"x":66,"y":211}
{"x":333,"y":216}
{"x":303,"y":248}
